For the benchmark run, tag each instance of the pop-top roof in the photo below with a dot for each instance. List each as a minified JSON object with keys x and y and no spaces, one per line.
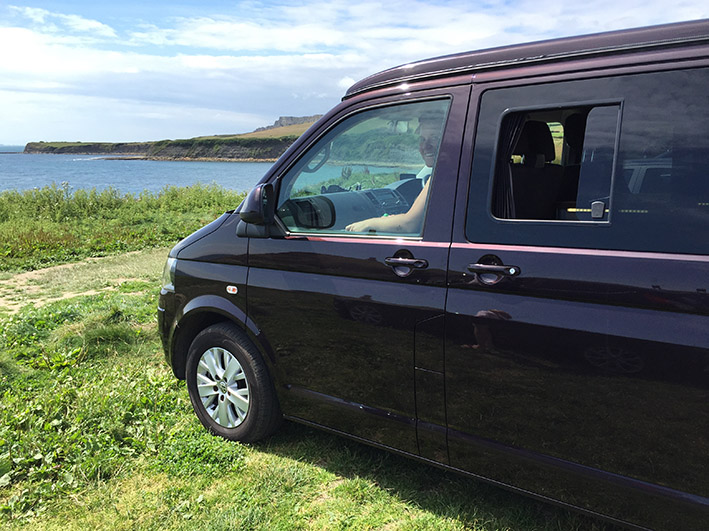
{"x":614,"y":42}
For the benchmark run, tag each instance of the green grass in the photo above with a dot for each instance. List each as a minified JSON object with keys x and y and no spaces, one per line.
{"x":96,"y":433}
{"x":279,"y":132}
{"x":52,"y":225}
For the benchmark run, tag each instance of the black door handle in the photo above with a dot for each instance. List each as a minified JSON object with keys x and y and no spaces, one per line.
{"x":506,"y":270}
{"x":416,"y":263}
{"x":403,"y":266}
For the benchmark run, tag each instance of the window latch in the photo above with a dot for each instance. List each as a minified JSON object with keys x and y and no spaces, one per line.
{"x":598,"y":209}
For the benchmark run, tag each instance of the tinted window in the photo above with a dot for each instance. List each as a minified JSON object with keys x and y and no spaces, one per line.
{"x":630,"y":174}
{"x":370,"y":174}
{"x":555,"y":164}
{"x":665,"y":146}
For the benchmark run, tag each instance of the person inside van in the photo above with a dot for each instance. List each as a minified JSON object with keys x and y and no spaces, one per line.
{"x":429,"y":132}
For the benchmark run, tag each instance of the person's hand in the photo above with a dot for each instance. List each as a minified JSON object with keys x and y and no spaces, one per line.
{"x":360,"y":226}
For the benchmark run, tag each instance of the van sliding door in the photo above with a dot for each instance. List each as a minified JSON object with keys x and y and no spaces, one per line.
{"x":577,"y":319}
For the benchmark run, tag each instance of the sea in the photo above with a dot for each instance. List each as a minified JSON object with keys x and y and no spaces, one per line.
{"x":21,"y":171}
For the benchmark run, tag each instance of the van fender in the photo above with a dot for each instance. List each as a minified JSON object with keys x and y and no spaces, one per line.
{"x":204,"y":311}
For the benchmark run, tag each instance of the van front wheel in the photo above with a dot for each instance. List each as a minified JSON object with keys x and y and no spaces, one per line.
{"x":229,"y":385}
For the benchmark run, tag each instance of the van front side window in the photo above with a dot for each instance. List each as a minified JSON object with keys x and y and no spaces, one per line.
{"x":370,"y":174}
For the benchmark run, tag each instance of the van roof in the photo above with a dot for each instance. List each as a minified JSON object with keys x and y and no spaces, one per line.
{"x":599,"y":44}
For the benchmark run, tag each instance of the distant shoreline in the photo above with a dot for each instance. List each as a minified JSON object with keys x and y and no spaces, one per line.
{"x":186,"y":159}
{"x":112,"y":156}
{"x":263,"y":145}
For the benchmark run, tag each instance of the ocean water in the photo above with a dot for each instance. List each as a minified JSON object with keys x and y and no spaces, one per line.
{"x":20,"y":171}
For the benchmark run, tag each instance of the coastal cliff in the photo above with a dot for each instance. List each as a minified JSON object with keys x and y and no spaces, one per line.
{"x":264,"y":144}
{"x":245,"y":149}
{"x":89,"y":148}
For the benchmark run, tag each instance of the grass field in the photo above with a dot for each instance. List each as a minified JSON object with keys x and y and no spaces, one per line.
{"x":274,"y":132}
{"x":96,"y":433}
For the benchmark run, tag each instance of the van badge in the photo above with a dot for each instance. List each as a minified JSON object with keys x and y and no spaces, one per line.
{"x":232,"y":290}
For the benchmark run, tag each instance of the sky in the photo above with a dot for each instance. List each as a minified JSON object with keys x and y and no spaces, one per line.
{"x":118,"y":71}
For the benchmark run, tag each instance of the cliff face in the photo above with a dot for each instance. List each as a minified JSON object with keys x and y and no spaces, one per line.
{"x":219,"y":148}
{"x":86,"y":148}
{"x":215,"y":148}
{"x":285,"y":121}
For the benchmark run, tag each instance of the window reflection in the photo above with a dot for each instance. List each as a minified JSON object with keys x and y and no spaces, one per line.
{"x":369,"y":174}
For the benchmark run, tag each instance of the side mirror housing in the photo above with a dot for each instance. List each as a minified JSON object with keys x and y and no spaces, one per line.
{"x":258,"y":213}
{"x":258,"y":207}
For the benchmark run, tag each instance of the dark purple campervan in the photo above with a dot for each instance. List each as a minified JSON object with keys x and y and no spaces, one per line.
{"x":495,"y":262}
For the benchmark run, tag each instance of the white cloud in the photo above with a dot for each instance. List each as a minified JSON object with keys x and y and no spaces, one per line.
{"x":346,"y":82}
{"x":77,"y":23}
{"x":254,"y":59}
{"x":237,"y":35}
{"x":54,"y":22}
{"x":34,"y":14}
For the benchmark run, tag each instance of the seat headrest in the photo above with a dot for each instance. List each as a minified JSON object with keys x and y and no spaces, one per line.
{"x":535,"y":143}
{"x":574,"y":131}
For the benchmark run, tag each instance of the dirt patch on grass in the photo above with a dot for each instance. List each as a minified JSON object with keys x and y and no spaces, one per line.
{"x":23,"y":289}
{"x":12,"y":305}
{"x":87,"y":277}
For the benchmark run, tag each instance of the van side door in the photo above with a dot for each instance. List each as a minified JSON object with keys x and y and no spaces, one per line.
{"x":343,"y":296}
{"x":577,"y":320}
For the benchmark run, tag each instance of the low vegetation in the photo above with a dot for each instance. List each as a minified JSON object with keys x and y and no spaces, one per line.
{"x":96,"y":433}
{"x":294,"y":130}
{"x":52,"y":225}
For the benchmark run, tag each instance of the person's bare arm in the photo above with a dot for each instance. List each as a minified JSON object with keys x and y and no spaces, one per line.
{"x":407,"y":222}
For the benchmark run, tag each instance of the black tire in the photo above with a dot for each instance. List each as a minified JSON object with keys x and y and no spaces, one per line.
{"x":241,"y":405}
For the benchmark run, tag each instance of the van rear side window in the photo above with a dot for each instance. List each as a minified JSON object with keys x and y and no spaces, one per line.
{"x":556,"y":164}
{"x":608,"y":163}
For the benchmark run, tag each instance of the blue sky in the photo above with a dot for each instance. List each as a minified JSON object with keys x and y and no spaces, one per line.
{"x":121,"y":71}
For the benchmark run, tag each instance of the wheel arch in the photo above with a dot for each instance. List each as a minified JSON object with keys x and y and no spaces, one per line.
{"x":204,"y":311}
